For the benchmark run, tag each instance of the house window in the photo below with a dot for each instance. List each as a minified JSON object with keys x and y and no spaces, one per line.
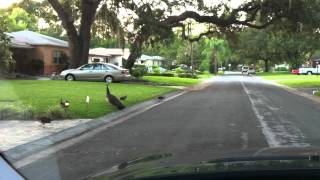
{"x":57,"y":57}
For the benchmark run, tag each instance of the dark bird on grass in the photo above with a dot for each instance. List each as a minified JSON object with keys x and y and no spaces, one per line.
{"x":161,"y":97}
{"x":114,"y":100}
{"x":123,"y":98}
{"x":44,"y":120}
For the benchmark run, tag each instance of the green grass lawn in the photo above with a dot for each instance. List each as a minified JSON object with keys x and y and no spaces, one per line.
{"x":176,"y":81}
{"x":40,"y":95}
{"x":292,"y":80}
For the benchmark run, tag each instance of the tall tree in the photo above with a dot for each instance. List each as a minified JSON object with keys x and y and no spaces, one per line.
{"x":79,"y":38}
{"x":18,"y":19}
{"x":6,"y":61}
{"x":151,"y":18}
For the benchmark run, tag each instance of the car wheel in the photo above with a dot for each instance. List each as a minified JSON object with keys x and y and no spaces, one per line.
{"x":109,"y":79}
{"x":309,"y":73}
{"x":70,"y":77}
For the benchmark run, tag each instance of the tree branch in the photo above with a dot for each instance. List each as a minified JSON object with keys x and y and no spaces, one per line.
{"x":66,"y":19}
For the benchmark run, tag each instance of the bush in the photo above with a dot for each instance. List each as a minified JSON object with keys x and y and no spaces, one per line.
{"x":56,"y":112}
{"x":139,"y":71}
{"x":156,"y":70}
{"x":161,"y":74}
{"x":281,"y":69}
{"x":220,"y":72}
{"x":16,"y":112}
{"x":179,"y":70}
{"x":188,"y":75}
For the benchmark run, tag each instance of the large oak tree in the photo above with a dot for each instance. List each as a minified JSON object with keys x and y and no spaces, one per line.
{"x":153,"y":19}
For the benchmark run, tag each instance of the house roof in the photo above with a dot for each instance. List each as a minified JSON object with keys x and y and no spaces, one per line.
{"x":28,"y":39}
{"x":110,"y":52}
{"x":146,"y":57}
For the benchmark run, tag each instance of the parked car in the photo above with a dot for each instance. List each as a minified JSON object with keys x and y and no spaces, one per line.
{"x":310,"y":71}
{"x":244,"y":69}
{"x":251,"y":70}
{"x":97,"y":72}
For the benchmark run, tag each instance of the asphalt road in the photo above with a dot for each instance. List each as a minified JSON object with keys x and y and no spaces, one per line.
{"x":235,"y":116}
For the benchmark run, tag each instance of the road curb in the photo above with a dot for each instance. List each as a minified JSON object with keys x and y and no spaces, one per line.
{"x":22,"y":151}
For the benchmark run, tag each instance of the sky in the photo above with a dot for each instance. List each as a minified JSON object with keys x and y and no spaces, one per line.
{"x":7,"y":3}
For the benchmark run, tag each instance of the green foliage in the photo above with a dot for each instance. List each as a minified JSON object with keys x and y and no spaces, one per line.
{"x":56,"y":112}
{"x":139,"y":70}
{"x":18,"y":19}
{"x":156,"y":70}
{"x":16,"y":112}
{"x":188,"y":75}
{"x":179,"y":70}
{"x":6,"y":61}
{"x":166,"y":74}
{"x":281,"y":69}
{"x":222,"y":53}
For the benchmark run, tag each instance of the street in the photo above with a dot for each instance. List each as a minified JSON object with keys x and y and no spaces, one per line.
{"x":235,"y":116}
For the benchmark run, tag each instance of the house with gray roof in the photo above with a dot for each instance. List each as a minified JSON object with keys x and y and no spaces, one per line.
{"x":115,"y":56}
{"x":38,"y":54}
{"x":150,"y":60}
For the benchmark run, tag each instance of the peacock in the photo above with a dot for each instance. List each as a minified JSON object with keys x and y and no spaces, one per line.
{"x":113,"y":99}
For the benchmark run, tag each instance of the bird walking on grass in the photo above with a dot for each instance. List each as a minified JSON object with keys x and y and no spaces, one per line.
{"x":64,"y":103}
{"x":123,"y":98}
{"x":114,"y":100}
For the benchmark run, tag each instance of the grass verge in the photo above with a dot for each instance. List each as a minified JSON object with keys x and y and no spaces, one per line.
{"x":293,"y":80}
{"x":176,"y":81}
{"x":40,"y":96}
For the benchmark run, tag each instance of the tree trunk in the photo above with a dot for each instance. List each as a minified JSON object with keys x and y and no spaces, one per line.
{"x":135,"y":52}
{"x":213,"y":66}
{"x":79,"y":41}
{"x":266,"y":65}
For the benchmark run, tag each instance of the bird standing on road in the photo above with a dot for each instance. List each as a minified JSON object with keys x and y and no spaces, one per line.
{"x":161,"y":97}
{"x":44,"y":120}
{"x":113,"y":99}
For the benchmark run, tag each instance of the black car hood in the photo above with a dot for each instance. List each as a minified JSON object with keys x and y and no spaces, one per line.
{"x":167,"y":164}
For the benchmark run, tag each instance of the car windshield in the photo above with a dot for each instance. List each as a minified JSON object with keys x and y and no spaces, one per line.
{"x":103,"y":89}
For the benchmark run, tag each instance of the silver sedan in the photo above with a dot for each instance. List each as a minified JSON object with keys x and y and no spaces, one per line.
{"x":97,"y":72}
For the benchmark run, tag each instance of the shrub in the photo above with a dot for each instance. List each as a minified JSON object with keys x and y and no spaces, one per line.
{"x":220,"y":72}
{"x":281,"y":69}
{"x":16,"y":112}
{"x":56,"y":112}
{"x":156,"y":70}
{"x":139,"y":71}
{"x":188,"y":75}
{"x":161,"y":74}
{"x":179,"y":70}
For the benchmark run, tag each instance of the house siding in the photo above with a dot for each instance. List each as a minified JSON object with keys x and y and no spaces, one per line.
{"x":45,"y":53}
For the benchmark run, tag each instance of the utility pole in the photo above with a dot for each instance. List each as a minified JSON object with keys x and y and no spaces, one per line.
{"x":191,"y":47}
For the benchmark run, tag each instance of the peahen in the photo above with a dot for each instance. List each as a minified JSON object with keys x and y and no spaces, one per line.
{"x":123,"y":98}
{"x":114,"y":100}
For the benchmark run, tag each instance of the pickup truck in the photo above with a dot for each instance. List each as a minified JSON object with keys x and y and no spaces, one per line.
{"x":310,"y":71}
